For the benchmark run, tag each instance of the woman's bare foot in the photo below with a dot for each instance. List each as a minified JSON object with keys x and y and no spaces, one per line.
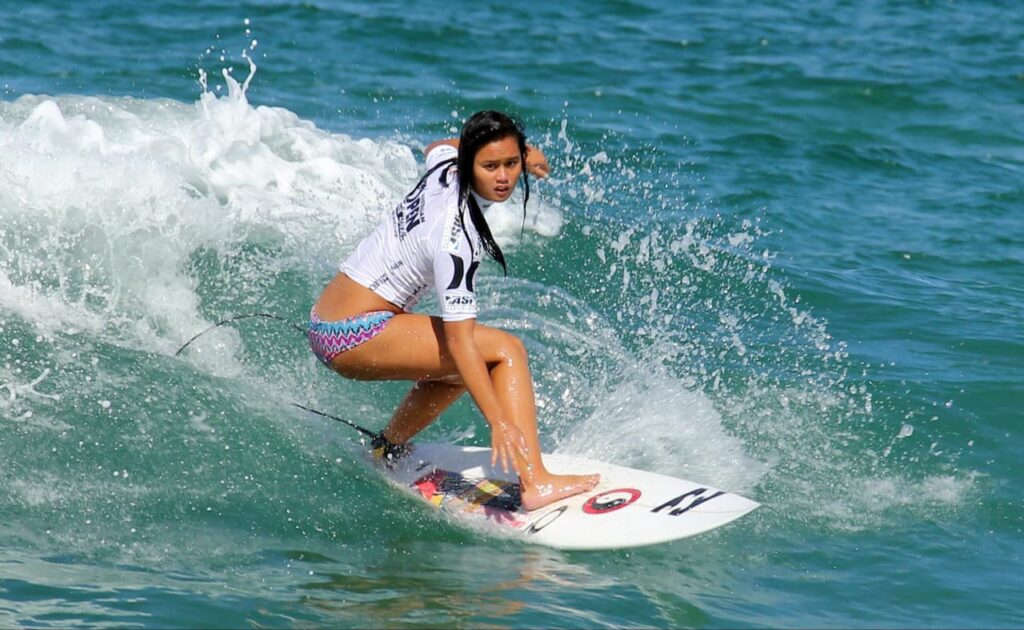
{"x":554,"y":487}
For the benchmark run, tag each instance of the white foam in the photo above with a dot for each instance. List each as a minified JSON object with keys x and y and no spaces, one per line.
{"x":595,"y":398}
{"x":860,"y":503}
{"x":508,"y":220}
{"x":653,"y":422}
{"x":729,"y":354}
{"x":103,"y":202}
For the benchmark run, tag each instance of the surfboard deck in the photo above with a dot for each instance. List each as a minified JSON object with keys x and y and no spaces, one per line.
{"x":628,"y":508}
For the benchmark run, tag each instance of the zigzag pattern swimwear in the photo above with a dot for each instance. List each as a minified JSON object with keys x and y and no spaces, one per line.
{"x":329,"y":339}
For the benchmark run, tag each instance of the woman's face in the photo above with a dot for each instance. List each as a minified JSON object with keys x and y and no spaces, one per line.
{"x":496,"y":169}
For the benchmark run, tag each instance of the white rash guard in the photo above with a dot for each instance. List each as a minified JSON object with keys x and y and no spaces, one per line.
{"x":422,"y":242}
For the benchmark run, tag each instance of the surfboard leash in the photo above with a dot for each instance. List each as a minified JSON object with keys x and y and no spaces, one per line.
{"x":355,"y":426}
{"x":235,"y":319}
{"x":364,"y":431}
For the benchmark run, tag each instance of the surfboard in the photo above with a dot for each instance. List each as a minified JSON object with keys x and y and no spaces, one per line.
{"x":628,"y":508}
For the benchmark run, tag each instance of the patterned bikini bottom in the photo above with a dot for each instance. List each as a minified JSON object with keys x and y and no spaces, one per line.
{"x":329,"y":339}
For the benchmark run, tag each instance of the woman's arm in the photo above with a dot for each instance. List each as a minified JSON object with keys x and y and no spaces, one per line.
{"x":452,"y":142}
{"x":536,"y":162}
{"x":506,"y":439}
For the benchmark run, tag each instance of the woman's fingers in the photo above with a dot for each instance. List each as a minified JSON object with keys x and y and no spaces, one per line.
{"x":539,"y":169}
{"x":537,"y":163}
{"x":503,"y":446}
{"x":498,"y":449}
{"x":506,"y":456}
{"x":504,"y":459}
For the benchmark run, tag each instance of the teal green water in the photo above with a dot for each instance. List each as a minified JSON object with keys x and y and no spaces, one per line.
{"x":782,"y":253}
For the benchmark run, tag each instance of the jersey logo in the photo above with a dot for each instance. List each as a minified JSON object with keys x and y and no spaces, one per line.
{"x":452,"y":233}
{"x":471,"y":274}
{"x":459,"y":302}
{"x":457,"y":274}
{"x":409,"y":212}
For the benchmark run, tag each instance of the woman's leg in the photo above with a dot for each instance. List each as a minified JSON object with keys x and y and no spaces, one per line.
{"x":412,"y":347}
{"x":513,"y":384}
{"x":421,"y":406}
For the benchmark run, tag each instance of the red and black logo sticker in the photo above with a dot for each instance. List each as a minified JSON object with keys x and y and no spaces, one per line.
{"x":611,"y":500}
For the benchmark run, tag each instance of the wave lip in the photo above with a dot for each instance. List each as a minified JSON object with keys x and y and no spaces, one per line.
{"x":106,"y":201}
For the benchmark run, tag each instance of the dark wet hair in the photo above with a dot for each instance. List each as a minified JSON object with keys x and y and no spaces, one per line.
{"x":481,"y":129}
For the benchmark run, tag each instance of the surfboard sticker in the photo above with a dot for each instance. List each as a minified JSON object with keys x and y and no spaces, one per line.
{"x":497,"y":500}
{"x":629,"y":508}
{"x":611,"y":500}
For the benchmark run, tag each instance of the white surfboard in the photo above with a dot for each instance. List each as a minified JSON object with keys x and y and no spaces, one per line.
{"x":629,"y":508}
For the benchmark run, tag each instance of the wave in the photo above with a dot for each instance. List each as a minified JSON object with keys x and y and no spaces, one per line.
{"x":130,"y":224}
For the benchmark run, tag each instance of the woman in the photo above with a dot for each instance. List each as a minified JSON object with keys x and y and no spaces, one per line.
{"x":361,"y":327}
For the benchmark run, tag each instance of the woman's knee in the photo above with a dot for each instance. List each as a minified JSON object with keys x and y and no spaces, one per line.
{"x":511,"y":349}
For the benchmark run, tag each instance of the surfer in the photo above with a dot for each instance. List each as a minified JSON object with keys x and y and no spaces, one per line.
{"x":361,"y":326}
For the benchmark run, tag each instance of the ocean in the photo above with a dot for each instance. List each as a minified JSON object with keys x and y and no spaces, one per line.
{"x":781,"y":252}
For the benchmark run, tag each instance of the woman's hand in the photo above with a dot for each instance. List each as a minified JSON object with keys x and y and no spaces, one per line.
{"x":507,"y":441}
{"x":536,"y":163}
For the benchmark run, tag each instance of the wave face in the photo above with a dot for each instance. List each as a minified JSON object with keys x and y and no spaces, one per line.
{"x":779,"y":254}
